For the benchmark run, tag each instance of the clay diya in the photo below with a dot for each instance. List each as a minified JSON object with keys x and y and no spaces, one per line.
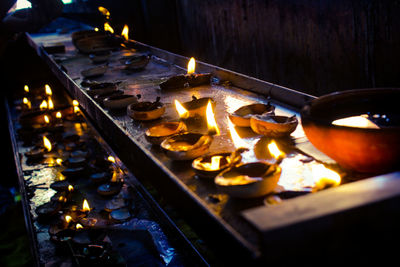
{"x":100,"y":57}
{"x":273,"y":125}
{"x":99,"y":97}
{"x":102,"y":88}
{"x":241,"y":117}
{"x":119,"y":101}
{"x":146,"y":111}
{"x":95,"y":71}
{"x":249,"y":180}
{"x":135,"y":62}
{"x":195,"y":107}
{"x":100,"y":177}
{"x":186,"y":146}
{"x":109,"y":189}
{"x":158,"y":133}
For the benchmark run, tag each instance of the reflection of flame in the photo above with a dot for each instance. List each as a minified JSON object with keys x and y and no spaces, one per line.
{"x":361,"y":121}
{"x":78,"y":226}
{"x":85,"y":205}
{"x":104,"y":11}
{"x":50,"y":103}
{"x":274,"y":150}
{"x":108,"y":28}
{"x":211,"y":122}
{"x":67,"y":218}
{"x":191,"y":66}
{"x":48,"y":90}
{"x":237,"y":141}
{"x":125,"y":32}
{"x":46,"y":119}
{"x":47,"y":143}
{"x":183,"y":113}
{"x":58,"y":115}
{"x":324,"y":177}
{"x":111,"y":159}
{"x":43,"y":105}
{"x":75,"y":103}
{"x":26,"y":88}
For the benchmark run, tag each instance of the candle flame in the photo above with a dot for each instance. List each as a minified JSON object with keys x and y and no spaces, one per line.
{"x":62,"y":199}
{"x":191,"y":67}
{"x":274,"y":150}
{"x":26,"y":102}
{"x":324,"y":177}
{"x":96,"y":29}
{"x":78,"y":226}
{"x":75,"y":103}
{"x":85,"y":206}
{"x":46,"y":119}
{"x":125,"y":32}
{"x":47,"y":143}
{"x":70,"y":188}
{"x":67,"y":218}
{"x":43,"y":105}
{"x":58,"y":115}
{"x":59,"y":161}
{"x":237,"y":141}
{"x":108,"y":28}
{"x":50,"y":103}
{"x":211,"y":122}
{"x":111,"y":159}
{"x":26,"y":88}
{"x":104,"y":11}
{"x":48,"y":90}
{"x":183,"y":112}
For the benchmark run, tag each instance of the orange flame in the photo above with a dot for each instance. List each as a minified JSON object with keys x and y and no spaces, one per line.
{"x":48,"y":90}
{"x":47,"y":144}
{"x":43,"y":105}
{"x":58,"y":115}
{"x":50,"y":103}
{"x":125,"y":32}
{"x":67,"y":218}
{"x":70,"y":188}
{"x":26,"y":88}
{"x":111,"y":159}
{"x":104,"y":11}
{"x":191,"y":67}
{"x":27,"y":102}
{"x":85,"y":206}
{"x":211,"y":122}
{"x":46,"y":119}
{"x":78,"y":226}
{"x":274,"y":150}
{"x":183,"y":112}
{"x":108,"y":28}
{"x":237,"y":141}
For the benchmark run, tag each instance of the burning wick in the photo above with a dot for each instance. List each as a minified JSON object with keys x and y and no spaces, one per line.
{"x":237,"y":141}
{"x":70,"y":188}
{"x":324,"y":177}
{"x":48,"y":90}
{"x":183,"y":112}
{"x":214,"y":164}
{"x":85,"y":206}
{"x":275,"y":151}
{"x":58,"y":115}
{"x":46,"y":119}
{"x":59,"y":162}
{"x":111,"y":159}
{"x":43,"y":105}
{"x":75,"y":103}
{"x":211,"y":122}
{"x":50,"y":103}
{"x":104,"y":11}
{"x":47,"y":143}
{"x":191,"y":66}
{"x":27,"y":102}
{"x":125,"y":32}
{"x":78,"y":226}
{"x":26,"y":88}
{"x":108,"y":28}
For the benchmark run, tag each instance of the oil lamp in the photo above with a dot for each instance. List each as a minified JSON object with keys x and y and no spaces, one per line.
{"x":27,"y":103}
{"x":119,"y":101}
{"x":273,"y":125}
{"x":241,"y":117}
{"x":197,"y":107}
{"x":210,"y":165}
{"x":94,"y":71}
{"x":158,"y":133}
{"x":191,"y":79}
{"x":113,"y":187}
{"x":146,"y":111}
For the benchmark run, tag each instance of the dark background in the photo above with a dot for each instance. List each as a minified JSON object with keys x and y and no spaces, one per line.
{"x":312,"y":46}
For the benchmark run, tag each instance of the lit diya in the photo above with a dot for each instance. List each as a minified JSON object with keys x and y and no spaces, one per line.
{"x":146,"y":111}
{"x":191,"y":79}
{"x":38,"y":152}
{"x":158,"y":133}
{"x":113,"y":187}
{"x":193,"y":108}
{"x":241,"y":117}
{"x":273,"y":125}
{"x":249,"y":180}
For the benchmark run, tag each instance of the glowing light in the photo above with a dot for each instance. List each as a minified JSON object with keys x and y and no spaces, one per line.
{"x":26,"y":88}
{"x":125,"y":32}
{"x":70,"y":188}
{"x":50,"y":103}
{"x":58,"y":115}
{"x":48,"y":90}
{"x":27,"y":102}
{"x":59,"y":161}
{"x":324,"y":177}
{"x":108,"y":28}
{"x":361,"y":121}
{"x":237,"y":141}
{"x":67,"y":218}
{"x":183,"y":113}
{"x":75,"y":103}
{"x":211,"y":122}
{"x":274,"y":150}
{"x":46,"y":119}
{"x":43,"y":105}
{"x":47,"y":143}
{"x":191,"y":67}
{"x":78,"y":226}
{"x":96,"y":29}
{"x":104,"y":11}
{"x":85,"y":206}
{"x":111,"y":159}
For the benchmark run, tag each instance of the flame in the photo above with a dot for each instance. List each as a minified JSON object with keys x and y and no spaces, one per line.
{"x":58,"y":115}
{"x":274,"y":150}
{"x":75,"y":103}
{"x":50,"y":103}
{"x":43,"y":105}
{"x":67,"y":218}
{"x":70,"y":188}
{"x":104,"y":11}
{"x":237,"y":141}
{"x":96,"y":29}
{"x":191,"y":66}
{"x":125,"y":32}
{"x":85,"y":206}
{"x":183,"y":112}
{"x":48,"y":90}
{"x":108,"y":28}
{"x":78,"y":226}
{"x":62,"y":199}
{"x":46,"y":119}
{"x":324,"y":177}
{"x":211,"y":122}
{"x":47,"y":143}
{"x":27,"y":102}
{"x":26,"y":88}
{"x":111,"y":159}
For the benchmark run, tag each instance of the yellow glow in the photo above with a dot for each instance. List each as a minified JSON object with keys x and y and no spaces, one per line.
{"x":211,"y":122}
{"x":324,"y":177}
{"x":70,"y":188}
{"x":48,"y":90}
{"x":191,"y":67}
{"x":59,"y":161}
{"x":104,"y":11}
{"x":26,"y":88}
{"x":58,"y":115}
{"x":50,"y":103}
{"x":43,"y":105}
{"x":78,"y":226}
{"x":183,"y":113}
{"x":46,"y":119}
{"x":67,"y":218}
{"x":26,"y":102}
{"x":274,"y":150}
{"x":75,"y":103}
{"x":62,"y":199}
{"x":96,"y":29}
{"x":237,"y":141}
{"x":47,"y":143}
{"x":85,"y":206}
{"x":361,"y":121}
{"x":108,"y":28}
{"x":125,"y":32}
{"x":111,"y":159}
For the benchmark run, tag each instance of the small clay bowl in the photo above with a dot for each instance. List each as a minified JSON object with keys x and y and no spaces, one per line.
{"x":249,"y":180}
{"x":201,"y":170}
{"x":100,"y":177}
{"x":241,"y":117}
{"x":158,"y":133}
{"x":119,"y":101}
{"x":146,"y":111}
{"x":60,"y":186}
{"x":186,"y":146}
{"x":101,"y":96}
{"x":102,"y":88}
{"x":94,"y":72}
{"x":198,"y":106}
{"x":99,"y":58}
{"x":273,"y":126}
{"x":135,"y":62}
{"x":109,"y":189}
